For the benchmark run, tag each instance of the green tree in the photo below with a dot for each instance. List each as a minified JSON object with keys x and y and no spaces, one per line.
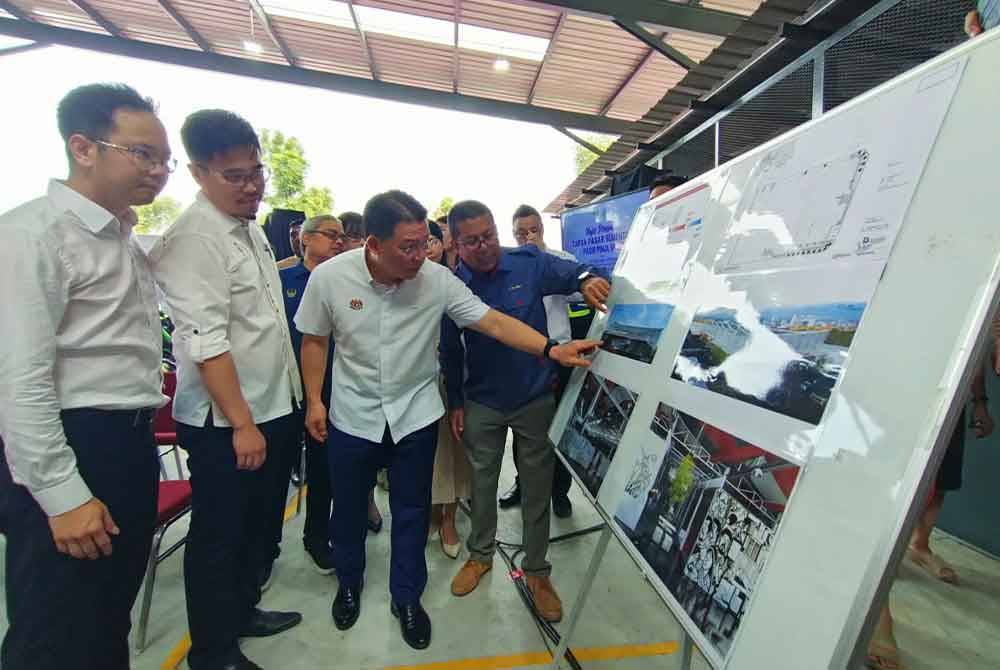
{"x":683,"y":480}
{"x":285,"y":158}
{"x":155,"y":217}
{"x":443,"y":207}
{"x":583,"y":157}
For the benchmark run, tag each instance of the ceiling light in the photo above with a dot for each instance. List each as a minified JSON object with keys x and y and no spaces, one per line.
{"x":252,"y":47}
{"x":501,"y":65}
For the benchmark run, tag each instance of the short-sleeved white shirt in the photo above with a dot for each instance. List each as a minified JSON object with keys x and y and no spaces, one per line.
{"x":385,"y":361}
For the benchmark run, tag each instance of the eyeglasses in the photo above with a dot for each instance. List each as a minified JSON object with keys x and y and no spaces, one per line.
{"x":415,"y":249}
{"x":142,"y":156}
{"x":433,"y":242}
{"x":331,"y":235}
{"x":479,"y":240}
{"x":241,"y":178}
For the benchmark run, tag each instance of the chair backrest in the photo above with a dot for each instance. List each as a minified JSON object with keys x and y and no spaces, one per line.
{"x":164,"y":421}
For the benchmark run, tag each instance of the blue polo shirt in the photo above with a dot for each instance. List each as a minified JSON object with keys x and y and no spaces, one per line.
{"x":293,"y":285}
{"x":499,"y":377}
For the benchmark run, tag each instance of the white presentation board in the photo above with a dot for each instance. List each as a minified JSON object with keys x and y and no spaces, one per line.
{"x":785,"y":339}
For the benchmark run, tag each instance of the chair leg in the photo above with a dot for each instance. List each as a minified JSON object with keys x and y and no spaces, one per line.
{"x":163,"y":468}
{"x":147,"y":592}
{"x":177,"y":462}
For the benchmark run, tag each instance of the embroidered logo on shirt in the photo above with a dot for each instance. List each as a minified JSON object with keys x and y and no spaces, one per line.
{"x":292,"y":292}
{"x":356,"y":304}
{"x":515,"y":287}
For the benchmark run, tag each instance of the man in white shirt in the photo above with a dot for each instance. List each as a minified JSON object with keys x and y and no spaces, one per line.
{"x":383,"y":306}
{"x":529,"y":229}
{"x":237,"y":386}
{"x":79,"y":384}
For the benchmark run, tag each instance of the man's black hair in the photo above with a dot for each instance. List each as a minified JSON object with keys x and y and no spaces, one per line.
{"x":354,"y":224}
{"x":89,"y":110}
{"x":210,"y":132}
{"x":386,"y":210}
{"x":525,"y":210}
{"x":671,"y":180}
{"x":463,"y":211}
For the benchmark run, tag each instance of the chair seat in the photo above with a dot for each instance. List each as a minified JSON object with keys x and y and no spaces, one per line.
{"x":165,"y":439}
{"x":174,"y":496}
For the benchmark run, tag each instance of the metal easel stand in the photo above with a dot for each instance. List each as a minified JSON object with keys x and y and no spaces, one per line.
{"x":581,"y":598}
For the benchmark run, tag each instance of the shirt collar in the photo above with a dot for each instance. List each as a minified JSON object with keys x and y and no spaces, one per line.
{"x":94,"y":217}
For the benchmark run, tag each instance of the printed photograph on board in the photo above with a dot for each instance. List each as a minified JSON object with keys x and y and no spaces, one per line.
{"x":595,"y":428}
{"x":780,"y":340}
{"x":702,"y":507}
{"x":633,"y":330}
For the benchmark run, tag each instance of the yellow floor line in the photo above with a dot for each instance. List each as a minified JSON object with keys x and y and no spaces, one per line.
{"x":545,"y":658}
{"x":180,"y":652}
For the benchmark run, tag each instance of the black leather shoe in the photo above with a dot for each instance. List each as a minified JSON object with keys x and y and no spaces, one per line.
{"x":512,"y":498}
{"x":414,"y":624}
{"x":243,"y":663}
{"x":562,"y":507}
{"x":266,"y":624}
{"x":346,"y":607}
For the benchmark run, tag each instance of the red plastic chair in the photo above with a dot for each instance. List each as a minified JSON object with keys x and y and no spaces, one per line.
{"x":173,"y":503}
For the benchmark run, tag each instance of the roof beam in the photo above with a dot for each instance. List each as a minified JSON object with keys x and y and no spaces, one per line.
{"x":96,"y":17}
{"x":656,"y":43}
{"x":295,"y":75}
{"x":597,"y":151}
{"x":628,"y":82}
{"x":15,"y":11}
{"x":659,"y":12}
{"x":369,"y":56}
{"x":545,"y":58}
{"x":261,"y":13}
{"x":185,"y":25}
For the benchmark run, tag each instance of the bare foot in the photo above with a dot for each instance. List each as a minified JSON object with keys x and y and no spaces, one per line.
{"x":932,"y":564}
{"x":883,"y":655}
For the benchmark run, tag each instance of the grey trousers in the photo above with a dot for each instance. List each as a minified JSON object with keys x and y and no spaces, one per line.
{"x":485,"y":437}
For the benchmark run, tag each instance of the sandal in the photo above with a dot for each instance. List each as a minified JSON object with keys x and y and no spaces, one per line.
{"x":932,"y":565}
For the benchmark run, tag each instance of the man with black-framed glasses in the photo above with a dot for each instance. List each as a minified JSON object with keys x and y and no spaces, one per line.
{"x":79,"y":384}
{"x":237,"y":387}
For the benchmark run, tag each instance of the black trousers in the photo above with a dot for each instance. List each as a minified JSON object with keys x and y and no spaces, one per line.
{"x":353,"y":464}
{"x":72,"y":614}
{"x":561,"y":478}
{"x":231,"y":537}
{"x":317,"y":531}
{"x":284,"y":454}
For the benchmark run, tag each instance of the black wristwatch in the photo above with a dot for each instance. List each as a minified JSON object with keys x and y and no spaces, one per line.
{"x":584,"y":276}
{"x":548,"y":347}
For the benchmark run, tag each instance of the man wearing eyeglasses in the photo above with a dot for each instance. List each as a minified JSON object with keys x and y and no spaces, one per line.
{"x":383,"y":306}
{"x":322,"y":237}
{"x":507,"y":389}
{"x":237,"y":387}
{"x":79,"y":384}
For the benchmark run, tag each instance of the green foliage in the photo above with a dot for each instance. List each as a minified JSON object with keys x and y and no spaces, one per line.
{"x":285,"y":158}
{"x":840,"y":337}
{"x":443,"y":208}
{"x":680,"y":487}
{"x":157,"y":216}
{"x":583,"y":157}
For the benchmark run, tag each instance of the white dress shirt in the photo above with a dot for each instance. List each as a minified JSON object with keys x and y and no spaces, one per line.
{"x":385,"y":362}
{"x":557,"y":306}
{"x":224,"y":294}
{"x":79,"y":328}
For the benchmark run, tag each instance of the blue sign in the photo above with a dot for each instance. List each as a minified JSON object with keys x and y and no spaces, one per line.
{"x":596,"y":233}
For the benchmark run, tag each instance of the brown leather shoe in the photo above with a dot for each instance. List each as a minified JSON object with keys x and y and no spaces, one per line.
{"x":467,"y":579}
{"x":546,"y":599}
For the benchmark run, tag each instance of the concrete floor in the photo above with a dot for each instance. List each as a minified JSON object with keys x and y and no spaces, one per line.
{"x":939,"y":627}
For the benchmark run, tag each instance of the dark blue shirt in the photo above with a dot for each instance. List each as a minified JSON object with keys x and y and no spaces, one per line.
{"x":293,"y":284}
{"x":499,"y":377}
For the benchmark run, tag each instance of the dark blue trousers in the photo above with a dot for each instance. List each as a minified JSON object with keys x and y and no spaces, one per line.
{"x":353,"y":464}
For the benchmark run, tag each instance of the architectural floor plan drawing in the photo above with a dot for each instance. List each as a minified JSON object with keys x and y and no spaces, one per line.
{"x":792,"y":210}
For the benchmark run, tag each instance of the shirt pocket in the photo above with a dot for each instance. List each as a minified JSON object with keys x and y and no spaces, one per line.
{"x":244,"y":275}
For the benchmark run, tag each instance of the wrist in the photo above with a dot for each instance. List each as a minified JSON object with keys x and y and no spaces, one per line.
{"x":549,"y":346}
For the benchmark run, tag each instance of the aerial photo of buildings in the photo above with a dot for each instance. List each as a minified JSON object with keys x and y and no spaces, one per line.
{"x":633,"y":330}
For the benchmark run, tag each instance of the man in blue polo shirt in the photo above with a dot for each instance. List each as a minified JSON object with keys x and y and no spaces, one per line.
{"x":507,"y":389}
{"x":322,"y":238}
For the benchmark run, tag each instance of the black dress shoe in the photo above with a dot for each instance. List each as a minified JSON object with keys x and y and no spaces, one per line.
{"x":243,"y":663}
{"x":512,"y":498}
{"x":266,"y":624}
{"x":414,"y":624}
{"x":562,"y":507}
{"x":346,"y":607}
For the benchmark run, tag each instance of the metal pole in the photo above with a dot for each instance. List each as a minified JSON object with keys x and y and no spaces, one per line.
{"x":581,"y":598}
{"x":687,"y":652}
{"x":819,"y":84}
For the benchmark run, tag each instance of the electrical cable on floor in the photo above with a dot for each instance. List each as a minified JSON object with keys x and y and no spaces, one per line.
{"x":545,"y":629}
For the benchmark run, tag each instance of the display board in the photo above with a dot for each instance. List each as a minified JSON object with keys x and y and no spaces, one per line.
{"x":785,"y":340}
{"x":595,"y":233}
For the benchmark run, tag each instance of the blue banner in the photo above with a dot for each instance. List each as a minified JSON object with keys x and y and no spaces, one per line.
{"x":596,"y":233}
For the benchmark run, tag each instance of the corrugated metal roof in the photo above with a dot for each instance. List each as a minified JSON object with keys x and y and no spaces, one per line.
{"x":590,"y":65}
